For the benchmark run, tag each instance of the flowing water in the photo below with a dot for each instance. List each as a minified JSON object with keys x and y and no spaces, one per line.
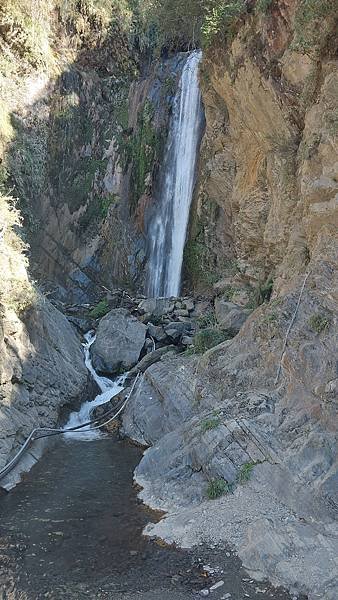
{"x":108,"y":388}
{"x":73,"y":529}
{"x":168,"y":225}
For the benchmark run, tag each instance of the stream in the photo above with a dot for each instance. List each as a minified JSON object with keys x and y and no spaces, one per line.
{"x":73,"y":528}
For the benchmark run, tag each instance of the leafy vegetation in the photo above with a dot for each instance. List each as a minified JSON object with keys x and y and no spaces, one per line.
{"x":310,"y":16}
{"x":208,"y":338}
{"x":207,"y":320}
{"x":100,"y":310}
{"x":142,"y":148}
{"x":319,"y":322}
{"x":221,"y":17}
{"x":263,"y":6}
{"x":217,"y":488}
{"x":17,"y":292}
{"x":209,"y":424}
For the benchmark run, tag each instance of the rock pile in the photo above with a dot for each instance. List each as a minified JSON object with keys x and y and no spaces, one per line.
{"x":143,"y":333}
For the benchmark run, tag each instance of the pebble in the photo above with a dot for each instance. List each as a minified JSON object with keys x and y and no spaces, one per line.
{"x":204,"y":592}
{"x":216,"y":585}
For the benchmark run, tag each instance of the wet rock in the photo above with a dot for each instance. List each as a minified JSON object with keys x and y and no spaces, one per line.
{"x":119,"y":341}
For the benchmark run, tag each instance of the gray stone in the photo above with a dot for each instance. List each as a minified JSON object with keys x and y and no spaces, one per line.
{"x":189,"y":304}
{"x":182,"y":312}
{"x":229,"y":315}
{"x":165,"y":388}
{"x":187,"y":340}
{"x":216,"y":586}
{"x":119,"y":341}
{"x":156,"y":307}
{"x":176,"y":329}
{"x":157,"y":332}
{"x":152,"y":358}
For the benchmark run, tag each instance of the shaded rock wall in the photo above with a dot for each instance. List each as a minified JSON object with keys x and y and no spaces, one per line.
{"x":42,"y":370}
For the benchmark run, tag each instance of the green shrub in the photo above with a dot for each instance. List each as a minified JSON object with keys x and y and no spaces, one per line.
{"x":222,"y":17}
{"x":217,"y":488}
{"x":319,"y":322}
{"x":263,"y":6}
{"x":143,"y":149}
{"x":245,"y":472}
{"x":100,"y":310}
{"x":208,"y":338}
{"x":207,"y":320}
{"x":16,"y":292}
{"x":208,"y":424}
{"x":312,"y":16}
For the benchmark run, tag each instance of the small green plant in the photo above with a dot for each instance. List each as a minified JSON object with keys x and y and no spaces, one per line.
{"x":229,"y":292}
{"x":209,"y":424}
{"x":170,"y":85}
{"x":319,"y":323}
{"x":207,"y":320}
{"x":245,"y":472}
{"x":105,"y":203}
{"x":208,"y":338}
{"x":217,"y":488}
{"x":263,"y":6}
{"x":269,"y":318}
{"x":100,"y":310}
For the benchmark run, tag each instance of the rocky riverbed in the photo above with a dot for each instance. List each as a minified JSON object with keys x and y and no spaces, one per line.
{"x":73,"y":530}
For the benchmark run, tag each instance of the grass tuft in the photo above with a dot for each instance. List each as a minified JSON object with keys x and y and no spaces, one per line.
{"x":319,"y":323}
{"x":245,"y":472}
{"x":100,"y":310}
{"x":209,"y":424}
{"x":217,"y":488}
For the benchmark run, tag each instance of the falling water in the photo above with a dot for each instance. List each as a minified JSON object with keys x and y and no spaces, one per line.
{"x":168,"y":225}
{"x":108,"y":389}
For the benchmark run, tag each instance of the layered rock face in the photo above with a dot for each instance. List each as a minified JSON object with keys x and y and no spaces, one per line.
{"x":42,"y":371}
{"x":265,"y":218}
{"x":267,"y":184}
{"x":41,"y":360}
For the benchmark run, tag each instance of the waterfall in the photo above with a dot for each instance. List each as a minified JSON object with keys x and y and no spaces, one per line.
{"x":168,"y":225}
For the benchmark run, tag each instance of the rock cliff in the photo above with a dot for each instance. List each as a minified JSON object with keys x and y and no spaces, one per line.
{"x":42,"y":366}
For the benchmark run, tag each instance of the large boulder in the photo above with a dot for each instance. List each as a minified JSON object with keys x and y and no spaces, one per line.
{"x":119,"y":341}
{"x":229,"y":315}
{"x":156,"y":307}
{"x":176,"y":330}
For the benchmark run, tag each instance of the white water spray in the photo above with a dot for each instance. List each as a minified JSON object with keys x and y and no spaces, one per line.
{"x":108,"y":388}
{"x":168,"y":227}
